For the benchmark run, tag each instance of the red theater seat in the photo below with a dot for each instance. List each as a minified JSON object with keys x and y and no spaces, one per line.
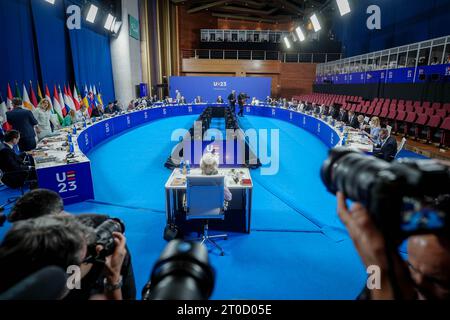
{"x":364,"y":109}
{"x":384,"y":113}
{"x":426,"y":104}
{"x":402,"y":108}
{"x":417,"y":104}
{"x":429,"y":112}
{"x":432,"y":125}
{"x":409,"y":121}
{"x":445,"y":127}
{"x":420,"y":110}
{"x":409,"y":109}
{"x":377,"y":111}
{"x":421,"y":121}
{"x":370,"y":110}
{"x":401,"y":115}
{"x":436,"y":105}
{"x":441,"y":113}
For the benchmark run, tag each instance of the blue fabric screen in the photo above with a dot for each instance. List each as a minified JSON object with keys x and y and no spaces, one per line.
{"x":17,"y":53}
{"x":402,"y":22}
{"x":92,"y":61}
{"x":52,"y":42}
{"x":37,"y":46}
{"x":91,"y":57}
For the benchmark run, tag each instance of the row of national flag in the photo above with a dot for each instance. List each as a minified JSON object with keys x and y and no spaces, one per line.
{"x":61,"y":103}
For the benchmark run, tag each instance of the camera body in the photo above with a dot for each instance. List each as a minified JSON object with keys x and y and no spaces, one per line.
{"x":104,"y":237}
{"x":404,"y":198}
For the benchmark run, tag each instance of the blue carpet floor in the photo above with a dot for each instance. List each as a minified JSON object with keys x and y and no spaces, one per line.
{"x":298,"y":249}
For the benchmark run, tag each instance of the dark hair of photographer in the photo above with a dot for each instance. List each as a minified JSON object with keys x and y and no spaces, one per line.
{"x":35,"y":204}
{"x":34,"y":244}
{"x":41,"y":202}
{"x":429,"y":258}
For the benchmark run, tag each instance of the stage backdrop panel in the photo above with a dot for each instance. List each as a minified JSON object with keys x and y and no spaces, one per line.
{"x":209,"y":88}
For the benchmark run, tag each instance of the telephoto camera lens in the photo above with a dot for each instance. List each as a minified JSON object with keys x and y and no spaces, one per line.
{"x":182,"y":272}
{"x":104,"y":235}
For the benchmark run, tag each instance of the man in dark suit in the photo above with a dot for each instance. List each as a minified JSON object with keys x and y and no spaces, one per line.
{"x":387,"y":148}
{"x":232,"y":100}
{"x":242,"y":100}
{"x":23,"y":121}
{"x":343,"y":116}
{"x":353,"y":120}
{"x":17,"y":169}
{"x":334,"y":112}
{"x":220,"y":100}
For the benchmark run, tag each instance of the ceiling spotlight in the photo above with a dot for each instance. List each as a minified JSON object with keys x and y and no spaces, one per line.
{"x":344,"y":7}
{"x":116,"y":27}
{"x":300,"y":34}
{"x":92,"y":14}
{"x":315,"y":22}
{"x":109,"y":22}
{"x":287,"y":42}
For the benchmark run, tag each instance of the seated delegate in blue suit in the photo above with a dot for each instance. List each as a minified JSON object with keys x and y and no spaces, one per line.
{"x":387,"y":147}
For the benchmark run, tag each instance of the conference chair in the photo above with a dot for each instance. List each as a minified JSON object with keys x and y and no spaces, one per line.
{"x":420,"y":124}
{"x":400,"y":147}
{"x":205,"y":201}
{"x":445,"y":137}
{"x":409,"y":122}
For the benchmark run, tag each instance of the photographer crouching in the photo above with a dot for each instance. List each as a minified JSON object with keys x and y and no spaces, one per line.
{"x":395,"y":202}
{"x":106,"y":265}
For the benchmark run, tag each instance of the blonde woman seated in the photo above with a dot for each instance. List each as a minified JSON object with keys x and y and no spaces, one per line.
{"x":43,"y":115}
{"x":375,"y":128}
{"x":209,"y":164}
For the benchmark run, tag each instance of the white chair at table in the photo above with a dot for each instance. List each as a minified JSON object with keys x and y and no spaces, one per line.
{"x":400,"y":147}
{"x":205,"y":201}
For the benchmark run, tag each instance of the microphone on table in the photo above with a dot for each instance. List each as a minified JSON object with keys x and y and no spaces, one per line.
{"x":46,"y":284}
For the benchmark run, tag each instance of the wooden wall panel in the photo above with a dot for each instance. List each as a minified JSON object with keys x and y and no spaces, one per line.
{"x":189,"y":26}
{"x":288,"y":79}
{"x":297,"y":78}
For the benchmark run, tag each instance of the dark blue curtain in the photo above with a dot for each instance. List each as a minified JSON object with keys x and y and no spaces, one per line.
{"x":17,"y":52}
{"x":402,"y":22}
{"x":92,"y":60}
{"x":37,"y":46}
{"x":52,"y":42}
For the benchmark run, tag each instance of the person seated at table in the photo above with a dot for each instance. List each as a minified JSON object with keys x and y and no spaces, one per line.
{"x":71,"y":118}
{"x":334,"y":112}
{"x":109,"y":108}
{"x":361,"y":121}
{"x":324,"y":110}
{"x":96,"y":112}
{"x":17,"y":168}
{"x":353,"y":120}
{"x":178,"y":95}
{"x":268,"y":100}
{"x":198,"y":100}
{"x":254,"y":101}
{"x":301,"y":106}
{"x":375,"y":128}
{"x":386,"y":149}
{"x":435,"y":61}
{"x":220,"y":100}
{"x":209,"y":164}
{"x":343,"y":116}
{"x":182,"y":100}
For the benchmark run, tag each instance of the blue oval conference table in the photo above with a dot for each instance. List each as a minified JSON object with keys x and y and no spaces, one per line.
{"x":62,"y":164}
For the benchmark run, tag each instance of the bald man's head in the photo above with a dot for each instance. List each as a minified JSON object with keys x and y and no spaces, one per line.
{"x":429,"y":260}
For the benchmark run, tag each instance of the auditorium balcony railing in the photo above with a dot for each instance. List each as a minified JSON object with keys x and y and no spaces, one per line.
{"x":295,"y":57}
